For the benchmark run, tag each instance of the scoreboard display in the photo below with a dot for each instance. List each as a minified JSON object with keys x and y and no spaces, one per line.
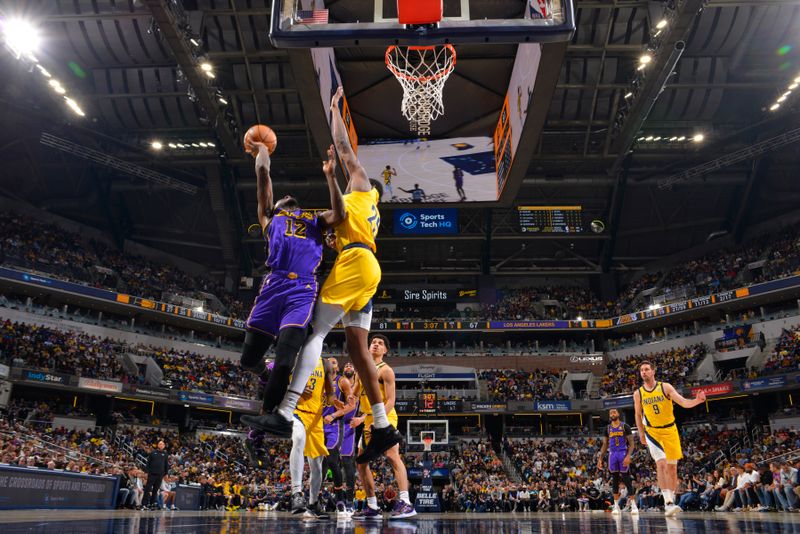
{"x":550,"y":219}
{"x":426,"y":403}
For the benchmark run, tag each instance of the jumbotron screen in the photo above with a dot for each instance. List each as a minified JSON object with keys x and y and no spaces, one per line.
{"x":550,"y":219}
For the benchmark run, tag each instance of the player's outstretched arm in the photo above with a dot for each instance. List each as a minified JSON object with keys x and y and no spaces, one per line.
{"x":359,"y":181}
{"x":336,"y":214}
{"x":637,"y":407}
{"x":347,"y":390}
{"x":263,"y":184}
{"x":680,"y":400}
{"x":330,"y":390}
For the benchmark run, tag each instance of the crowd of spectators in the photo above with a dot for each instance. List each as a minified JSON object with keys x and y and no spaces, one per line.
{"x":31,"y":243}
{"x":785,"y":357}
{"x":514,"y":384}
{"x":39,"y":347}
{"x":673,"y":366}
{"x":77,"y":353}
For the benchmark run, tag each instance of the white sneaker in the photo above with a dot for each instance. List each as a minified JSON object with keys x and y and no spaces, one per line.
{"x":342,"y":513}
{"x":671,"y":510}
{"x":634,"y":508}
{"x":615,"y":510}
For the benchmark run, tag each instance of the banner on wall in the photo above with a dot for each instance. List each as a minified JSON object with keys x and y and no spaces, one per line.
{"x":618,"y":402}
{"x":553,"y":406}
{"x":44,"y":488}
{"x":47,"y":377}
{"x":764,"y":383}
{"x":713,"y":389}
{"x":100,"y":385}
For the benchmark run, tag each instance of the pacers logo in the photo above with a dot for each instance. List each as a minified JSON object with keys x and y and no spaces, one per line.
{"x":408,"y":221}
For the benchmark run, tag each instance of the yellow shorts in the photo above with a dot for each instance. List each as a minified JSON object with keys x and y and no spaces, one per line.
{"x":391,"y":416}
{"x":353,"y":280}
{"x":315,"y":434}
{"x":664,"y":443}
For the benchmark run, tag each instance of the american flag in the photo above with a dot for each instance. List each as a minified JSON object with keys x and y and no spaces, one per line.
{"x":316,"y":16}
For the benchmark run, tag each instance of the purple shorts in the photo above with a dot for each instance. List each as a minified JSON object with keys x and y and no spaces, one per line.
{"x":615,"y":459}
{"x":283,"y":302}
{"x":348,"y":445}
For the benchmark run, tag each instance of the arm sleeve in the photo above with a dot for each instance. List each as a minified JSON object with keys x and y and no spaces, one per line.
{"x":627,"y":429}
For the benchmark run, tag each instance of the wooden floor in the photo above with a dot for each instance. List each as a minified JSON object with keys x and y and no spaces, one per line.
{"x":130,"y":522}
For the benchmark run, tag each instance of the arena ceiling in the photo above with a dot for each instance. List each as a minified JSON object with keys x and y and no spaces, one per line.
{"x":134,"y":72}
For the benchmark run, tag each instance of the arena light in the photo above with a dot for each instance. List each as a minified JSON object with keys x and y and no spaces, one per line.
{"x":74,"y":106}
{"x":21,"y":37}
{"x":682,"y":138}
{"x":194,"y":42}
{"x":628,"y":94}
{"x":199,"y":309}
{"x":782,"y":98}
{"x":57,"y":87}
{"x":172,"y":145}
{"x":156,"y":145}
{"x":698,"y":138}
{"x":661,"y":24}
{"x":648,"y":138}
{"x":222,"y":100}
{"x":579,"y":318}
{"x":774,"y":107}
{"x":44,"y":71}
{"x":644,"y":59}
{"x":205,"y":66}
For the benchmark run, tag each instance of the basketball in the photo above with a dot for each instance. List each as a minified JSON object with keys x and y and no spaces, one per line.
{"x":261,"y":134}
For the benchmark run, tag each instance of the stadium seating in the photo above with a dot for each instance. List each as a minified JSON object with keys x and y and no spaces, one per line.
{"x":674,"y":366}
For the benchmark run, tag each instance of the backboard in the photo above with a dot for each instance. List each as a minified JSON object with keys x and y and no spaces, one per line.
{"x":416,"y":429}
{"x":320,"y":23}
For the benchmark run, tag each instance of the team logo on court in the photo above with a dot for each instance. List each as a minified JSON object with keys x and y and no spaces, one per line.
{"x":408,"y":221}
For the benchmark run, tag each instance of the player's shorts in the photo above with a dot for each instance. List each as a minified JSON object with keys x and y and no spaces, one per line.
{"x":664,"y":443}
{"x":615,"y":462}
{"x":392,"y":416}
{"x":348,"y":446}
{"x":315,"y":435}
{"x":333,"y":434}
{"x":352,"y":283}
{"x":285,"y":299}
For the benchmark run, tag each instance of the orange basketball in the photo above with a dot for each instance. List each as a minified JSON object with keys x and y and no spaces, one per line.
{"x":261,"y":134}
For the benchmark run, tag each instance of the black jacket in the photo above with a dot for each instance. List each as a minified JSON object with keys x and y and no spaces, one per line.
{"x":157,"y":463}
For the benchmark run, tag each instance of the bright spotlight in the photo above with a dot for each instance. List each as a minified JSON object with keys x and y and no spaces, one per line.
{"x":21,"y":37}
{"x":793,"y":86}
{"x":644,"y":59}
{"x":206,"y":66}
{"x":579,"y":318}
{"x":74,"y":107}
{"x":773,"y":107}
{"x":57,"y":87}
{"x":156,"y":145}
{"x":661,"y":24}
{"x":698,"y":138}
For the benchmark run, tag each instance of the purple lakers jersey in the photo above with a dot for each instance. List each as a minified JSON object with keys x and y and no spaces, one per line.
{"x":336,"y":431}
{"x":294,"y":242}
{"x":617,"y":437}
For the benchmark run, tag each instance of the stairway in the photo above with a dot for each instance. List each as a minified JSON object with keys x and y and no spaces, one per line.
{"x":511,"y":470}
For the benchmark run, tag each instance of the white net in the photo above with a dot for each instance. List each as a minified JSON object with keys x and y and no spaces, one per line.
{"x":422,"y":72}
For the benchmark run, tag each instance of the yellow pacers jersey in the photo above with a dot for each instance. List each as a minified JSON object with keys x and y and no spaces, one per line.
{"x":656,"y":407}
{"x":362,"y":221}
{"x":309,"y":412}
{"x":316,"y":383}
{"x":387,"y":176}
{"x":364,"y":404}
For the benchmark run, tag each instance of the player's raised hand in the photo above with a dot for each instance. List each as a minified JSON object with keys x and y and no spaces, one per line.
{"x":599,"y":464}
{"x":336,"y":97}
{"x":254,"y":147}
{"x":329,"y":166}
{"x":701,"y":396}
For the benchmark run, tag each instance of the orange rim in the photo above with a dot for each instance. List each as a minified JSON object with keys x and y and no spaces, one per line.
{"x":422,"y":79}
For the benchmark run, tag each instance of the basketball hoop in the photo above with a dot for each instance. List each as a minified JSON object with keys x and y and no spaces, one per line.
{"x":427,"y":441}
{"x":422,"y":72}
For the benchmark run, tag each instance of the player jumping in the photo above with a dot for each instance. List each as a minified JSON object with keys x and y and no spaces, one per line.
{"x":347,"y":296}
{"x":619,"y":443}
{"x":657,"y":429}
{"x":286,"y":299}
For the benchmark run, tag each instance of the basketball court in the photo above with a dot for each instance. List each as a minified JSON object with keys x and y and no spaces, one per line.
{"x":91,"y":522}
